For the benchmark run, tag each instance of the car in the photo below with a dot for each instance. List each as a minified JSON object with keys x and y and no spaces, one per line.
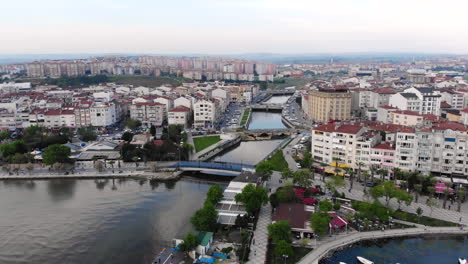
{"x":298,"y":165}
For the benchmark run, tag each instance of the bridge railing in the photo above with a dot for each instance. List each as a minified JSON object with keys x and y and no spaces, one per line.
{"x":213,"y":165}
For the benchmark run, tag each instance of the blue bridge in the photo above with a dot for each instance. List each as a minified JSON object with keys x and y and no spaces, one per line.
{"x":216,"y":168}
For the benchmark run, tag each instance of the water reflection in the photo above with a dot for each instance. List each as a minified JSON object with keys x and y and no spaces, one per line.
{"x":60,"y":190}
{"x":94,"y":224}
{"x":249,"y":152}
{"x":278,"y":99}
{"x":266,"y":120}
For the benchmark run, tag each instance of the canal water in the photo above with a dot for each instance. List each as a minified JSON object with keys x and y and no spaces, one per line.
{"x":407,"y":251}
{"x":87,"y":221}
{"x":278,"y":99}
{"x":268,"y":120}
{"x":249,"y":152}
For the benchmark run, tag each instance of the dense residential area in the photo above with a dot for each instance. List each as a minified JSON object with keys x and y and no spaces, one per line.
{"x":277,"y":163}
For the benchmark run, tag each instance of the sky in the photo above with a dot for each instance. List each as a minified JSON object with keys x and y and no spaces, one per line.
{"x":233,"y":26}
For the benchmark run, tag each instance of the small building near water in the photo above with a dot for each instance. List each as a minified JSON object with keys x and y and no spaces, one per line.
{"x":205,"y":239}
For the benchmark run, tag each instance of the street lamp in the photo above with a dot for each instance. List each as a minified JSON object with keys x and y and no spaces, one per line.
{"x":285,"y":257}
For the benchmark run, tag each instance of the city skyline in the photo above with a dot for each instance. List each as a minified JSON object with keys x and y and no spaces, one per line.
{"x":234,"y":27}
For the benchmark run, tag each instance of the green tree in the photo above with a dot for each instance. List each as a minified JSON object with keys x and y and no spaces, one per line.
{"x":402,"y":196}
{"x":287,"y":173}
{"x":189,"y":244}
{"x":319,"y":222}
{"x":252,"y":197}
{"x":307,"y":160}
{"x":127,"y":136}
{"x":274,"y":201}
{"x":132,"y":123}
{"x":302,"y":178}
{"x":385,"y":189}
{"x":325,"y":206}
{"x":419,"y":212}
{"x":286,"y":194}
{"x":56,"y":154}
{"x":264,"y":169}
{"x":283,"y":248}
{"x":214,"y":194}
{"x":280,"y":230}
{"x":87,"y":134}
{"x":205,"y":218}
{"x":335,"y":183}
{"x":432,"y":203}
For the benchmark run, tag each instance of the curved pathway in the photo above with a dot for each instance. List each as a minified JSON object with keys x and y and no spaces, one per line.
{"x":321,"y":251}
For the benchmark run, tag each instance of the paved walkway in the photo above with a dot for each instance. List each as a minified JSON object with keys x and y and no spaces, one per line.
{"x":258,"y":248}
{"x":321,"y":251}
{"x":287,"y":153}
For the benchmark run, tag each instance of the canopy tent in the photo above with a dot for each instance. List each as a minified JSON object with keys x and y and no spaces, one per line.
{"x":440,"y":187}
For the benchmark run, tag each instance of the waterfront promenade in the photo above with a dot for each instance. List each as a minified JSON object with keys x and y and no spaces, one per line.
{"x":347,"y":239}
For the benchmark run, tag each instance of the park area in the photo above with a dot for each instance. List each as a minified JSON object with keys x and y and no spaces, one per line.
{"x":202,"y":143}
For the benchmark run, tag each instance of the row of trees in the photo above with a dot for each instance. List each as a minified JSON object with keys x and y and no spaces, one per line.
{"x":205,"y":219}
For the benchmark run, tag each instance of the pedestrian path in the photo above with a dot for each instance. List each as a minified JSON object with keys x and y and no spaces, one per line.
{"x":315,"y":255}
{"x":258,"y":248}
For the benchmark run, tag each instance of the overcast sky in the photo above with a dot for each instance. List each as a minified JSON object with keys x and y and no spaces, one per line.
{"x":233,"y":26}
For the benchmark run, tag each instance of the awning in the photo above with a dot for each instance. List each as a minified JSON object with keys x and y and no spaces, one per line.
{"x":440,"y":187}
{"x":340,"y":165}
{"x":338,"y":222}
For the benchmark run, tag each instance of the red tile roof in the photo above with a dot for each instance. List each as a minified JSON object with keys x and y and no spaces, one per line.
{"x":388,"y":107}
{"x":346,"y":128}
{"x":387,"y":90}
{"x":294,"y":213}
{"x":406,"y":112}
{"x":385,"y":145}
{"x":449,"y":125}
{"x":445,"y":105}
{"x":180,"y":108}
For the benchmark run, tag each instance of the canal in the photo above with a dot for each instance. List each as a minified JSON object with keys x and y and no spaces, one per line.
{"x":406,"y":251}
{"x":249,"y":152}
{"x":268,"y":120}
{"x":87,"y":221}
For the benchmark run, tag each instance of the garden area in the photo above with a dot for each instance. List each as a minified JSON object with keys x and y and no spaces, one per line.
{"x":245,"y":117}
{"x":202,"y":143}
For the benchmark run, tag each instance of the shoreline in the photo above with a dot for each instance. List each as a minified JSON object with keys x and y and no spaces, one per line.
{"x":328,"y":249}
{"x":162,"y":175}
{"x":385,"y":240}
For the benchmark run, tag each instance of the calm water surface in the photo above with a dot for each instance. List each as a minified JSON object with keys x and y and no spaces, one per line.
{"x":249,"y":152}
{"x":266,"y":120}
{"x":87,"y":221}
{"x":278,"y":99}
{"x":408,"y":251}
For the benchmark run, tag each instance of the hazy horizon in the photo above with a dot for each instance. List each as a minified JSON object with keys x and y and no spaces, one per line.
{"x":233,"y":26}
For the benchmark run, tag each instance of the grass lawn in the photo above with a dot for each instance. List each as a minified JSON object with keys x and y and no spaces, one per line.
{"x":202,"y":143}
{"x":245,"y":116}
{"x":413,"y":218}
{"x":278,"y":162}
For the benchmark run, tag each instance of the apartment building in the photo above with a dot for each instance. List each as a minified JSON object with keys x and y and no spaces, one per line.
{"x":430,"y":100}
{"x":383,"y":113}
{"x":179,"y":116}
{"x":347,"y":143}
{"x":103,"y":114}
{"x":148,"y":113}
{"x":454,"y":98}
{"x":328,"y":104}
{"x":205,"y":113}
{"x":406,"y":101}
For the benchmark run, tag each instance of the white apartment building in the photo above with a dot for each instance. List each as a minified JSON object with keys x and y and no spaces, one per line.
{"x":220,"y":93}
{"x":167,"y":101}
{"x":349,"y":143}
{"x":7,"y":118}
{"x":15,"y":87}
{"x":383,"y":113}
{"x":455,"y":99}
{"x":185,"y":101}
{"x":148,"y":113}
{"x":430,"y":100}
{"x":205,"y":113}
{"x":406,"y":118}
{"x":406,"y":101}
{"x":103,"y":114}
{"x":179,"y":116}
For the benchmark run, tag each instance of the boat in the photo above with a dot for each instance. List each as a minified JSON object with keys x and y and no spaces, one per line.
{"x":462,"y":261}
{"x":364,"y":260}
